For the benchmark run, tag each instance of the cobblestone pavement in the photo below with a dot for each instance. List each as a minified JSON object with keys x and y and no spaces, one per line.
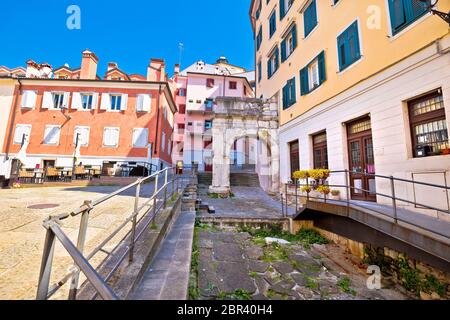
{"x":248,"y":202}
{"x":235,"y":265}
{"x":22,"y":235}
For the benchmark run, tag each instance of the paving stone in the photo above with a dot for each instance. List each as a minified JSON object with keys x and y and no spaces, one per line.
{"x":228,"y":252}
{"x":233,"y":276}
{"x":258,"y":266}
{"x":254,"y":252}
{"x":207,"y":244}
{"x":304,"y":260}
{"x":328,"y":287}
{"x":284,"y":287}
{"x":259,"y":297}
{"x":300,"y":279}
{"x":283,"y":267}
{"x":262,"y":285}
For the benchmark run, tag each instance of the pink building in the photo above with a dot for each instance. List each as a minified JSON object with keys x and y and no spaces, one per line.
{"x":197,"y":88}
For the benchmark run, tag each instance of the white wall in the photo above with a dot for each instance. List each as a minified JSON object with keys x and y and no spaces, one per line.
{"x":384,"y":96}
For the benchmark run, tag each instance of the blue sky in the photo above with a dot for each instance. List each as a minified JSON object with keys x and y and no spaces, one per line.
{"x":128,"y":32}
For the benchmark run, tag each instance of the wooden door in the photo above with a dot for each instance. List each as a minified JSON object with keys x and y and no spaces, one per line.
{"x":361,"y":160}
{"x":294,"y":152}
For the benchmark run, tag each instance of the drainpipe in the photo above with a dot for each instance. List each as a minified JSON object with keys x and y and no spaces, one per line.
{"x":13,"y":119}
{"x":155,"y":144}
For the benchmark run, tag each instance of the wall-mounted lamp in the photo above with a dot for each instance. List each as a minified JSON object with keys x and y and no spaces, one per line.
{"x":444,"y":16}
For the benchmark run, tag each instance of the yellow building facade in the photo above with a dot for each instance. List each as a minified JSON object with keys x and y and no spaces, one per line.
{"x":362,"y":86}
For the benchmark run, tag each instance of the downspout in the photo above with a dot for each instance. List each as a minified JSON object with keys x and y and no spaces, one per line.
{"x":155,"y":147}
{"x":13,"y":119}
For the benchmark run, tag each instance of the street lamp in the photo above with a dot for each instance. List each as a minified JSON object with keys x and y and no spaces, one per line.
{"x":444,"y":16}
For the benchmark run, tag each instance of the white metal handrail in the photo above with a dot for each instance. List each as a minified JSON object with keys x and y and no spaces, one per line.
{"x":54,"y":232}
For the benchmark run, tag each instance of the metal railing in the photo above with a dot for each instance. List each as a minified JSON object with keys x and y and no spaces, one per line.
{"x":170,"y":185}
{"x":348,"y":201}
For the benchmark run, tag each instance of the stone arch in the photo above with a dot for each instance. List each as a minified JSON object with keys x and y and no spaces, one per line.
{"x":230,"y":126}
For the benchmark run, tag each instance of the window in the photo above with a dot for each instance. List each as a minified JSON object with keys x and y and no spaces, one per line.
{"x":272,"y":24}
{"x":259,"y":71}
{"x":55,"y":100}
{"x":320,"y":151}
{"x":143,"y":102}
{"x":259,"y":39}
{"x":294,"y":155}
{"x":428,"y":125}
{"x":405,"y":12}
{"x":258,"y":11}
{"x":285,"y":5}
{"x":289,"y":97}
{"x":29,"y":99}
{"x":58,"y":100}
{"x":348,"y":46}
{"x":116,"y":102}
{"x":289,"y":43}
{"x":209,"y":103}
{"x":313,"y":75}
{"x":310,"y":17}
{"x":210,"y":83}
{"x":51,"y":135}
{"x":208,"y":124}
{"x":233,"y":85}
{"x":140,"y":138}
{"x":111,"y":137}
{"x":182,"y":92}
{"x":21,"y":130}
{"x":83,"y":136}
{"x":182,"y":109}
{"x":273,"y":63}
{"x":87,"y":101}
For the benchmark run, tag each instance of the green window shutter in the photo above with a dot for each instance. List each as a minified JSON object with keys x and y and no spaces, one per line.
{"x":397,"y":13}
{"x":269,"y":68}
{"x":277,"y":58}
{"x":322,"y":67}
{"x":294,"y":36}
{"x":304,"y":82}
{"x":285,"y":97}
{"x":355,"y":52}
{"x":293,"y":93}
{"x":283,"y":50}
{"x":417,"y":9}
{"x":282,"y":9}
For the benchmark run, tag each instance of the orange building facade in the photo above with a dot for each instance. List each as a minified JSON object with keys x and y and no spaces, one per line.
{"x":119,"y":119}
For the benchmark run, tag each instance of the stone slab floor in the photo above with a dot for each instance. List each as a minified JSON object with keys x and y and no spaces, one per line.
{"x":22,"y":235}
{"x":248,"y":202}
{"x":235,"y":265}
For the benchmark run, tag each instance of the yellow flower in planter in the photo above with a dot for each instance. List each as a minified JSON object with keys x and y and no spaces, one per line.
{"x":319,"y":174}
{"x":301,"y":175}
{"x":306,"y":189}
{"x":324,"y":190}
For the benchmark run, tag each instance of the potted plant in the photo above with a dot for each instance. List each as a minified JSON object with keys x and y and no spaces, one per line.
{"x":325,"y":190}
{"x":335,"y":195}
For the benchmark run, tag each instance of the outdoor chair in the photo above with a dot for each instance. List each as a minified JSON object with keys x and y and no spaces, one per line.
{"x":26,"y":176}
{"x":52,"y":174}
{"x":80,"y":173}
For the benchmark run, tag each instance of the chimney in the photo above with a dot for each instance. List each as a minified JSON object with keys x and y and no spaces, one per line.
{"x":112,"y":65}
{"x":32,"y":69}
{"x":89,"y":64}
{"x":177,"y":69}
{"x":156,"y":70}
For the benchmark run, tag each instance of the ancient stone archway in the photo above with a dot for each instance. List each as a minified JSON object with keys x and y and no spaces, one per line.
{"x":236,"y":118}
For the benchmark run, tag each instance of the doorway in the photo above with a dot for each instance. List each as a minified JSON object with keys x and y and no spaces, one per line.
{"x":294,"y":153}
{"x":361,"y":160}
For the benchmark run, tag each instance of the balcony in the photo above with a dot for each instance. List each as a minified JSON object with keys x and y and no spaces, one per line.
{"x":178,"y":135}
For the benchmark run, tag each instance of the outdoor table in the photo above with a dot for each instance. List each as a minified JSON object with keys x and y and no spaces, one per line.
{"x":38,"y":176}
{"x":90,"y":172}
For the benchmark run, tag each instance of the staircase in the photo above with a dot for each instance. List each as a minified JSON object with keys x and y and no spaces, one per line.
{"x":205,"y":178}
{"x":244,"y":180}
